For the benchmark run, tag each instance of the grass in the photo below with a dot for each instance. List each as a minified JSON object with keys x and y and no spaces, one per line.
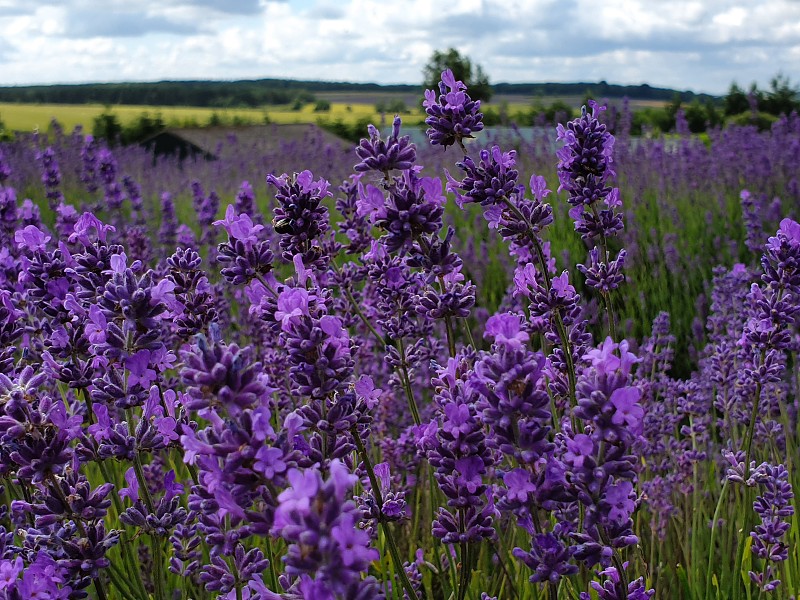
{"x":37,"y":117}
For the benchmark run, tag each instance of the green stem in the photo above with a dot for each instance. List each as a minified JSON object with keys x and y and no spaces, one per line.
{"x":468,"y":329}
{"x":376,"y":492}
{"x":504,"y":568}
{"x":412,"y":405}
{"x":117,"y":578}
{"x":448,"y":324}
{"x":158,"y":559}
{"x":451,"y":342}
{"x":748,"y":442}
{"x":560,"y":327}
{"x":612,"y":329}
{"x":127,"y":557}
{"x":463,"y":581}
{"x":362,"y":316}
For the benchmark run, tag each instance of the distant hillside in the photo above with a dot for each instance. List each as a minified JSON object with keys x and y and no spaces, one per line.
{"x":254,"y":93}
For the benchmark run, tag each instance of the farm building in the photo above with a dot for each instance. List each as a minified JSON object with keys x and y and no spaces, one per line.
{"x":211,"y":143}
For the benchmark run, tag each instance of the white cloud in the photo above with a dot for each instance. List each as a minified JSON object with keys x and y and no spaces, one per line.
{"x":694,"y":44}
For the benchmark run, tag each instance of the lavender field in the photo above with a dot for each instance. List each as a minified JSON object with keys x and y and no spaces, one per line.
{"x":486,"y":367}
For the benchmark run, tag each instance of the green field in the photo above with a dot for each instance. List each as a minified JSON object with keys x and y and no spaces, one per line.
{"x":37,"y":117}
{"x":33,"y":117}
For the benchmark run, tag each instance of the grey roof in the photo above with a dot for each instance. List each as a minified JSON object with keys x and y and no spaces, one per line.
{"x":264,"y":138}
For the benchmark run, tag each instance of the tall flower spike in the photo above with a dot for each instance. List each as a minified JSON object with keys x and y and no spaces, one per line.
{"x":584,"y":170}
{"x":487,"y":182}
{"x":452,"y":116}
{"x":301,"y":217}
{"x":397,"y":152}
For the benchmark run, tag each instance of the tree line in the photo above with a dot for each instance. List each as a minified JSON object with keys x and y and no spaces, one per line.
{"x":266,"y":92}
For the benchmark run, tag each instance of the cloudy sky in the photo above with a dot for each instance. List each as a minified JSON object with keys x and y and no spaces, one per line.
{"x":701,"y":45}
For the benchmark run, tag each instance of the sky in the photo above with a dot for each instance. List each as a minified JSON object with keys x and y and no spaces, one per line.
{"x":700,"y":45}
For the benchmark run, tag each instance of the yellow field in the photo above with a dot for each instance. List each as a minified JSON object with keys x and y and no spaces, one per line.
{"x":31,"y":117}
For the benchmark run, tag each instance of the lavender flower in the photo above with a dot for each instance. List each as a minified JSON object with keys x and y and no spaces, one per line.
{"x":397,"y":152}
{"x":488,"y":182}
{"x":300,"y":218}
{"x":414,"y":207}
{"x":584,"y":169}
{"x":772,"y":506}
{"x":319,"y":524}
{"x":453,"y":116}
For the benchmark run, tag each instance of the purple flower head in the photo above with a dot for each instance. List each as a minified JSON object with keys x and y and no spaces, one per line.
{"x":9,"y":572}
{"x":365,"y":390}
{"x":610,"y":357}
{"x":413,"y":208}
{"x":301,"y":217}
{"x":138,"y":365}
{"x":773,"y":506}
{"x":579,"y":449}
{"x":269,"y":462}
{"x":549,"y":559}
{"x":506,"y":330}
{"x":562,"y":287}
{"x":453,"y":116}
{"x":519,"y":487}
{"x":488,"y":182}
{"x":620,"y":499}
{"x":172,"y":488}
{"x":239,"y":227}
{"x":31,"y":238}
{"x":458,"y":419}
{"x":370,"y":202}
{"x":84,"y":226}
{"x":584,"y":170}
{"x":470,"y":471}
{"x":539,"y":188}
{"x":628,"y":411}
{"x":397,"y":152}
{"x":132,"y":490}
{"x":603,"y":276}
{"x":788,"y":230}
{"x":292,"y":303}
{"x":383,"y":474}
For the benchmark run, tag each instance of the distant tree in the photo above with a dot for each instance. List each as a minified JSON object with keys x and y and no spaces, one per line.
{"x":397,"y":107}
{"x":473,"y":76}
{"x":214,"y":120}
{"x":782,"y":96}
{"x":322,"y":106}
{"x":106,"y":126}
{"x":558,"y":112}
{"x":714,"y":116}
{"x":142,"y":128}
{"x":491,"y":116}
{"x":696,"y":116}
{"x":735,"y":101}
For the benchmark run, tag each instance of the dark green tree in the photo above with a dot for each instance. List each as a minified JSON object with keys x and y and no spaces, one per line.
{"x":142,"y":127}
{"x":472,"y":75}
{"x":106,"y":126}
{"x":782,"y":96}
{"x":735,"y":101}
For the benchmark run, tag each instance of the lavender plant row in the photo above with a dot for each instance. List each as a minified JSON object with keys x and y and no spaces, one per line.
{"x":316,"y":404}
